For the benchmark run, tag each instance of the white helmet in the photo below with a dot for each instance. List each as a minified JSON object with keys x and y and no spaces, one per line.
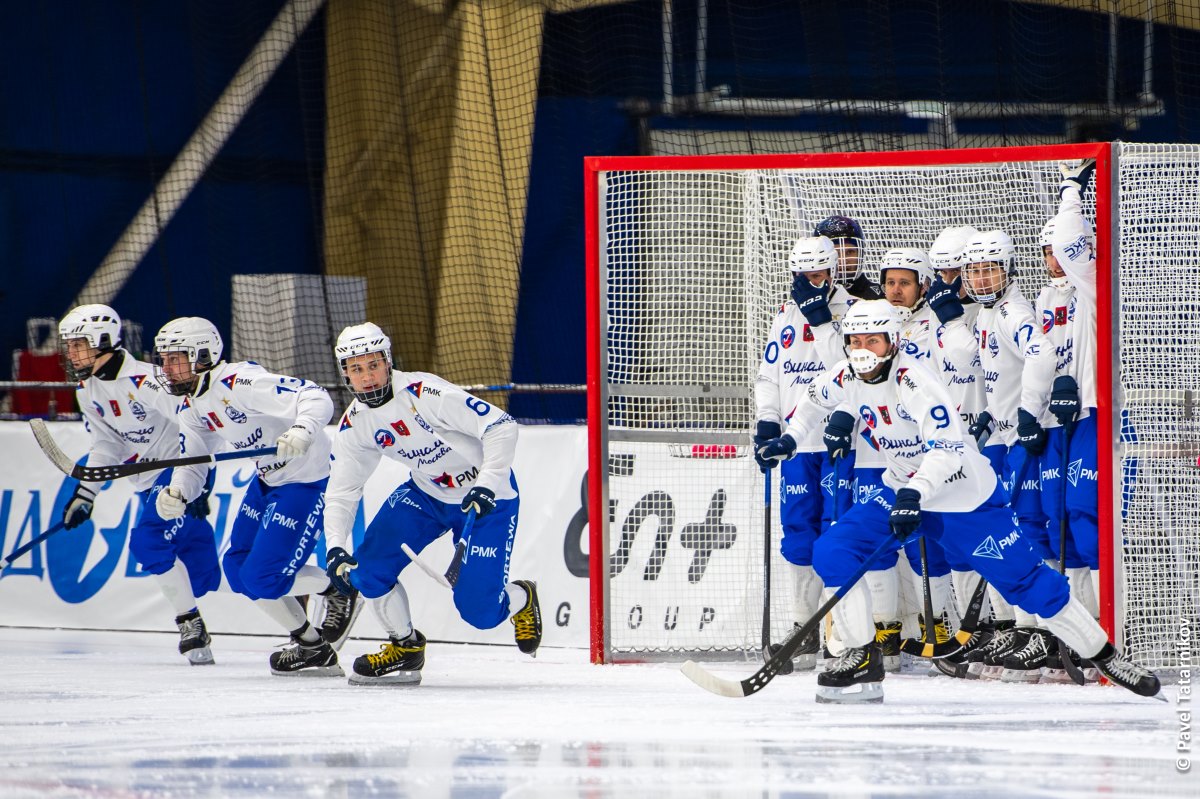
{"x":361,"y":340}
{"x":813,"y":254}
{"x":871,"y":316}
{"x":947,"y":249}
{"x":914,"y":260}
{"x":199,"y":339}
{"x":989,"y":247}
{"x":1046,"y":237}
{"x":99,"y":325}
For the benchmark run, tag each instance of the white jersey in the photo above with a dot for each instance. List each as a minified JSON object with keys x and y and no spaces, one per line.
{"x":912,"y":422}
{"x":130,"y":417}
{"x":957,"y":359}
{"x":450,"y":440}
{"x":1072,"y":248}
{"x":1017,"y":362}
{"x":243,"y":406}
{"x":795,"y":353}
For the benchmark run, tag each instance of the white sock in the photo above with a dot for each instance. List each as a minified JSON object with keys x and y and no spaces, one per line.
{"x":517,"y":597}
{"x":852,"y":615}
{"x":309,"y":580}
{"x":289,"y":613}
{"x":177,"y":588}
{"x":806,"y":592}
{"x":885,"y":594}
{"x":1076,"y":627}
{"x":392,"y":611}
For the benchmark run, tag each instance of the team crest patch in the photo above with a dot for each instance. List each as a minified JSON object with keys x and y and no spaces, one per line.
{"x":787,"y":337}
{"x":138,"y":410}
{"x":1073,"y":469}
{"x":988,"y":548}
{"x":345,"y":423}
{"x":445,"y":480}
{"x":228,"y":381}
{"x":414,"y":388}
{"x":397,"y":495}
{"x":401,"y":428}
{"x":137,"y":380}
{"x":827,"y":484}
{"x":235,"y":415}
{"x":1060,"y":315}
{"x":384,"y":439}
{"x":1047,"y":320}
{"x":807,"y":335}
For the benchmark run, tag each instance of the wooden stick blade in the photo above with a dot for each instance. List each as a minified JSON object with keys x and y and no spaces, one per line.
{"x":711,"y":682}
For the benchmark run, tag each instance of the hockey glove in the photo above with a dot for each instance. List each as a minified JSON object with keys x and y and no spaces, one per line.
{"x":79,"y":508}
{"x":198,"y":507}
{"x":906,"y":514}
{"x":1030,"y":434}
{"x":293,"y":443}
{"x":483,"y":500}
{"x":1064,"y":399}
{"x":170,"y":503}
{"x":837,"y":436}
{"x":943,"y":299}
{"x":1076,"y":176}
{"x":811,"y":301}
{"x":981,"y":428}
{"x":777,"y":449}
{"x":338,"y":565}
{"x":762,"y":434}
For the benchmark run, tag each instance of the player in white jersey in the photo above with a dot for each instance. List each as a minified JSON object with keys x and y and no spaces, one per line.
{"x":130,"y":419}
{"x":936,"y":485}
{"x":459,"y":451}
{"x":242,"y":406}
{"x":1068,"y":311}
{"x":1018,"y":366}
{"x":804,"y":341}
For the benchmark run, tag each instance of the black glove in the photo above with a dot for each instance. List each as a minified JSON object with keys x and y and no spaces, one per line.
{"x":943,"y":299}
{"x":1064,"y":399}
{"x":483,"y":500}
{"x":79,"y":507}
{"x":777,"y":449}
{"x":906,"y":514}
{"x":811,"y":300}
{"x":198,"y":507}
{"x":1030,"y":434}
{"x":1078,"y":176}
{"x":981,"y":429}
{"x":839,"y":431}
{"x":338,"y":565}
{"x":762,"y":434}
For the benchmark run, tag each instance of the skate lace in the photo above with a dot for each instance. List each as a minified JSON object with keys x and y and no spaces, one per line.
{"x":847,"y":661}
{"x":526,"y":628}
{"x":1124,"y":670}
{"x":192,"y":628}
{"x":290,"y":654}
{"x":337,"y":610}
{"x":388,"y":654}
{"x":999,"y":642}
{"x":1036,"y":645}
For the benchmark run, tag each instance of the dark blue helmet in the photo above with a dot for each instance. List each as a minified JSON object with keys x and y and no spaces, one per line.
{"x":839,"y":227}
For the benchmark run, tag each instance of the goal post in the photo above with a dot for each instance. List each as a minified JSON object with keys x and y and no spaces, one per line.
{"x":686,"y":269}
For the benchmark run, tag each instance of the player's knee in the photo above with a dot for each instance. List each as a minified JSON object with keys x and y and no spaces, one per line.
{"x":480,"y":611}
{"x":260,"y":585}
{"x":831,"y":561}
{"x":370,"y":584}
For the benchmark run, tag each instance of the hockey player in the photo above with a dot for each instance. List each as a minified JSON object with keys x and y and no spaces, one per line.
{"x":459,"y":450}
{"x":937,"y":486}
{"x":130,"y":418}
{"x":804,"y":341}
{"x":1068,"y":311}
{"x":1018,"y":367}
{"x":847,"y":236}
{"x":243,"y":406}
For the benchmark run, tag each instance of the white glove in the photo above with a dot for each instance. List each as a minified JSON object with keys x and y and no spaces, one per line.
{"x":170,"y":503}
{"x":1077,"y":176}
{"x":293,"y":443}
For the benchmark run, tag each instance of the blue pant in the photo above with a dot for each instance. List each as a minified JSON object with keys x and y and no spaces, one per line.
{"x":273,"y":535}
{"x":1080,"y":482}
{"x":157,"y":543}
{"x":811,"y":493}
{"x":987,"y":539}
{"x":1010,"y":467}
{"x":867,"y":487}
{"x":410,"y":516}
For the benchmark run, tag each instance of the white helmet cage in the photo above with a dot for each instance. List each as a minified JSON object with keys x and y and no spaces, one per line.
{"x":364,"y":339}
{"x":99,"y":325}
{"x":989,"y":247}
{"x":813,"y":254}
{"x":192,"y":335}
{"x":914,"y":260}
{"x":866,"y":317}
{"x":946,"y":252}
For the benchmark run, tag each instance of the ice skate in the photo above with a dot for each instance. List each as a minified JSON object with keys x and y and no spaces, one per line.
{"x":1025,"y":664}
{"x":956,"y":664}
{"x":527,"y":622}
{"x":304,"y":659}
{"x":194,"y":639}
{"x":855,"y":677}
{"x":804,"y":658}
{"x":887,"y":635}
{"x":987,"y":662}
{"x":398,"y":663}
{"x":1126,"y":673}
{"x":1053,"y":671}
{"x":340,"y":613}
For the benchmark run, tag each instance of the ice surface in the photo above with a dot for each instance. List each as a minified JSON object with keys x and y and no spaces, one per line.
{"x":85,"y":713}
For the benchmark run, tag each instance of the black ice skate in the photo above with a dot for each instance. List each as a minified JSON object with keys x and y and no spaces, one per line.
{"x":527,"y":622}
{"x":956,"y":664}
{"x":854,"y":677}
{"x":987,"y":662}
{"x":1025,"y":664}
{"x":804,"y":658}
{"x":194,"y":639}
{"x":398,"y":663}
{"x":340,"y":613}
{"x":1126,"y":673}
{"x":304,"y":659}
{"x":887,"y":635}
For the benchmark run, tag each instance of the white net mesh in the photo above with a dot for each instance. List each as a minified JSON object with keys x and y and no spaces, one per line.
{"x":693,"y":271}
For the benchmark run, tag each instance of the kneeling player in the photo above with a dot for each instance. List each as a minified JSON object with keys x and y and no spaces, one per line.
{"x":460,"y":451}
{"x":942,"y":489}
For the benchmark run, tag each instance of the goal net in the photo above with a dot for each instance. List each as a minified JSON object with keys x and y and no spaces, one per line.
{"x":687,"y":263}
